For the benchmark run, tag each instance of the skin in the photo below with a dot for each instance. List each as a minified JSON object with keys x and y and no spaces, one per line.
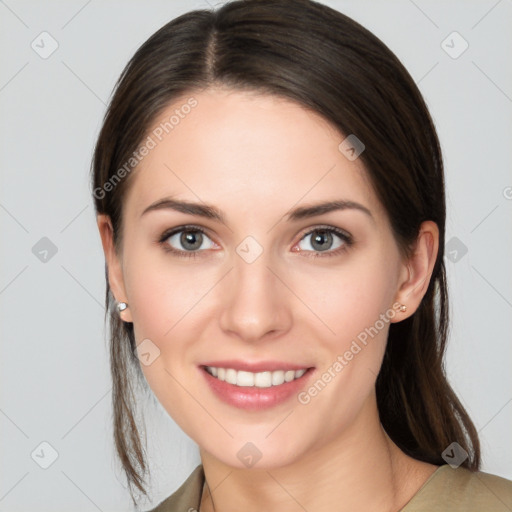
{"x":255,"y":157}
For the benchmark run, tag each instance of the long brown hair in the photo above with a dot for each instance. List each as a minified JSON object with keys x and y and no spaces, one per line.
{"x":325,"y":61}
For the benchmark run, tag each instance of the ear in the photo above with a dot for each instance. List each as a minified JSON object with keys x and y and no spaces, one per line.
{"x":417,"y":270}
{"x":114,"y":265}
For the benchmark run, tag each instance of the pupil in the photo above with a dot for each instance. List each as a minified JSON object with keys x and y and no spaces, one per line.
{"x":193,"y":238}
{"x":322,"y":240}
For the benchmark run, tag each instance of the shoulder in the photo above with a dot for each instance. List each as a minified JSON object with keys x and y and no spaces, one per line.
{"x":446,"y":490}
{"x":459,"y":489}
{"x":188,"y":497}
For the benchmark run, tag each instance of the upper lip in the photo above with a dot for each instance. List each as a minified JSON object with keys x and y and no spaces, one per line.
{"x":255,"y":367}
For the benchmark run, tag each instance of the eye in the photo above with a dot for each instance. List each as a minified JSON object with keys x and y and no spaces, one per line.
{"x":328,"y":240}
{"x":186,"y":241}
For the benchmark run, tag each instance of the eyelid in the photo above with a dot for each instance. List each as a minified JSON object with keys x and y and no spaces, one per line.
{"x":327,"y":227}
{"x":187,"y":227}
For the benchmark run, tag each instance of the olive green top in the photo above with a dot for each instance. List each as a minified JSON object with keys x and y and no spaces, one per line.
{"x":446,"y":490}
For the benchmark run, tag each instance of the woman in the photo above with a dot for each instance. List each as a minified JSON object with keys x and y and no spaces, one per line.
{"x":269,"y":193}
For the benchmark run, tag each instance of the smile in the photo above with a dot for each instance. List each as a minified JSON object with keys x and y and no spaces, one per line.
{"x":263,"y":379}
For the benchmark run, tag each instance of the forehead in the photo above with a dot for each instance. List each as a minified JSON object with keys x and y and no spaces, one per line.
{"x":242,"y":148}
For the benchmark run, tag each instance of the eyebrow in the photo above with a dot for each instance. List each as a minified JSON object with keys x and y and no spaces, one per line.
{"x":210,"y":212}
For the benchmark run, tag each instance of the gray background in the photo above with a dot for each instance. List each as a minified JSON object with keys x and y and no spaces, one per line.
{"x":55,"y":385}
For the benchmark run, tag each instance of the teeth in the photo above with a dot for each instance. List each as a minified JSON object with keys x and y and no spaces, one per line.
{"x":260,"y":380}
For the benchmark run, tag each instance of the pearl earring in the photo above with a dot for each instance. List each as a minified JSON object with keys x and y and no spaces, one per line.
{"x":121,"y":306}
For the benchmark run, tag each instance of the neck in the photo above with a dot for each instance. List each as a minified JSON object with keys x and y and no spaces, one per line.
{"x":360,"y":469}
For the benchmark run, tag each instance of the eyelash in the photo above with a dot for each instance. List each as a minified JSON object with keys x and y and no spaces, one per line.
{"x":345,"y":237}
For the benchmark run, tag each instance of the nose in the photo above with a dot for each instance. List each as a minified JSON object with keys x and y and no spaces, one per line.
{"x":255,"y":302}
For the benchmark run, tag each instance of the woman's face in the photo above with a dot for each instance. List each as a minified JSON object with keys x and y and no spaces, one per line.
{"x":264,"y":285}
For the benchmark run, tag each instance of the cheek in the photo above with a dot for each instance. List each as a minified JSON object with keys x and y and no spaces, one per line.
{"x":163,"y":293}
{"x":167,"y":301}
{"x":352,"y":340}
{"x":349,"y":298}
{"x":354,"y":304}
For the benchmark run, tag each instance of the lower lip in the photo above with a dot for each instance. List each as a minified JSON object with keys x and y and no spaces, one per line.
{"x":253,"y":398}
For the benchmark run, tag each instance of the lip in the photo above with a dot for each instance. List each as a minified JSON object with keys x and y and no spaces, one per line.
{"x":255,"y":367}
{"x":254,"y":398}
